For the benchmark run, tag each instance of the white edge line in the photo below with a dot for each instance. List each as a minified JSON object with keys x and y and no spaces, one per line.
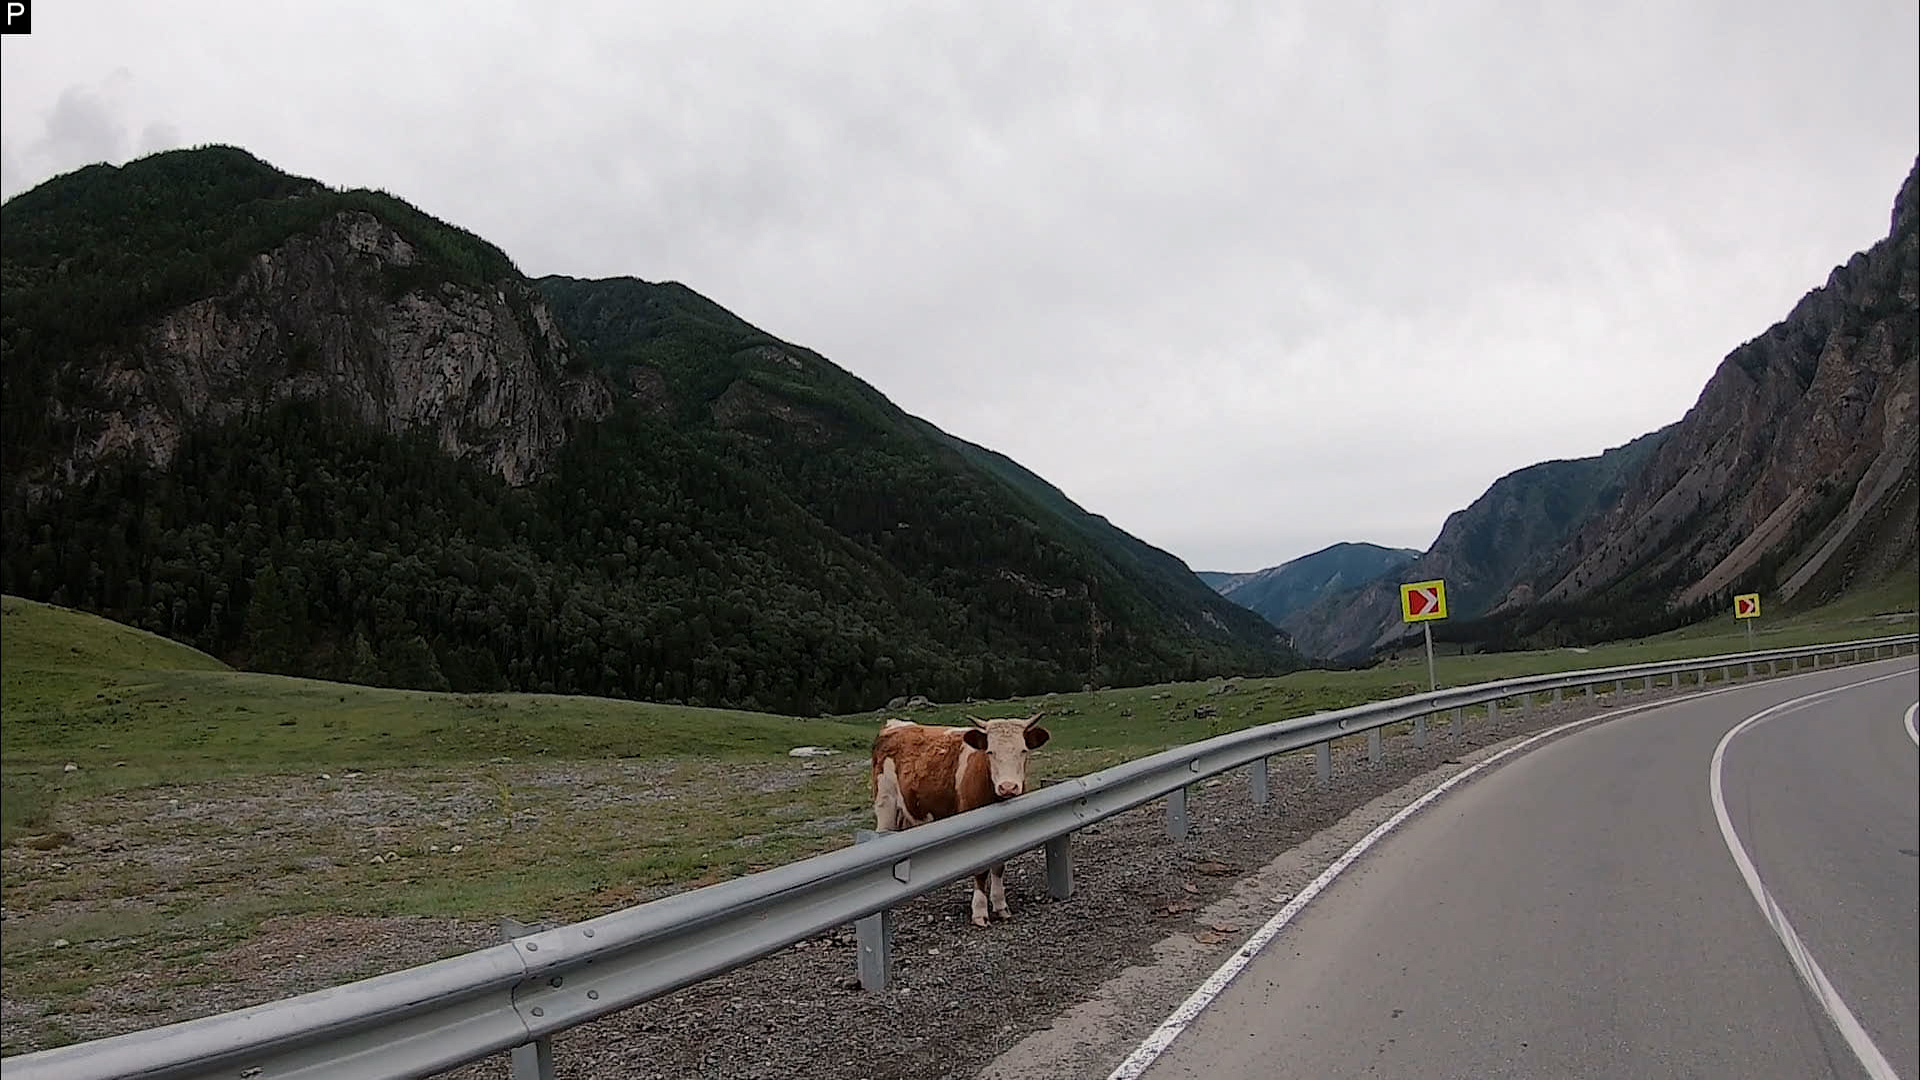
{"x":1913,"y":733}
{"x":1155,"y":1044}
{"x":1856,"y":1036}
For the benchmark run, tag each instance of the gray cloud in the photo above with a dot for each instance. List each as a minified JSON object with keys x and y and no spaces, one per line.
{"x":1247,"y":279}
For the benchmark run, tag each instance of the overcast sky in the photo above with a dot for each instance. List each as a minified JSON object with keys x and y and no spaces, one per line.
{"x":1245,"y":278}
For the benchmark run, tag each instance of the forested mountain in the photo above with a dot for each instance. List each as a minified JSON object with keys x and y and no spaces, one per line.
{"x":1280,"y":592}
{"x":319,"y":432}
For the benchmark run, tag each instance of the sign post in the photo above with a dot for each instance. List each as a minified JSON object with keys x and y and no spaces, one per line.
{"x":1746,"y":608}
{"x":1422,"y":602}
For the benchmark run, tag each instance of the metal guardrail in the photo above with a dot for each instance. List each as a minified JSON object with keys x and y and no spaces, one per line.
{"x":440,"y":1015}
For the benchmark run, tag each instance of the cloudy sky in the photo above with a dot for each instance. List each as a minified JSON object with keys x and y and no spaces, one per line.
{"x":1248,"y":279}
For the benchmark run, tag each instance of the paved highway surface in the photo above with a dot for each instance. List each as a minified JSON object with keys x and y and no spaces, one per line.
{"x":1579,"y":910}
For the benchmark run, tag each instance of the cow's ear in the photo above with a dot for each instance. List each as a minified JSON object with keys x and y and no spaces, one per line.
{"x":975,"y":738}
{"x":1037,"y":737}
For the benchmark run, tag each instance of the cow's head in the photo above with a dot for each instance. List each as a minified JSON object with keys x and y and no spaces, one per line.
{"x":1006,"y":743}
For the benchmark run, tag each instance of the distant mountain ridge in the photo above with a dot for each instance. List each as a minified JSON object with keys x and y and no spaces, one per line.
{"x":1281,"y":592}
{"x":320,"y":432}
{"x":1796,"y":474}
{"x":1482,"y":552}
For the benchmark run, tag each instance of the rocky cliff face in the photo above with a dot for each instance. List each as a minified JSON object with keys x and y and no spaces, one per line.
{"x":333,"y":314}
{"x":1794,"y":474}
{"x":1795,"y":470}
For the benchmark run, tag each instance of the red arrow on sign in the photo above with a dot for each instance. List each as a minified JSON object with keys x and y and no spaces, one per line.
{"x":1423,"y":601}
{"x":1745,"y":605}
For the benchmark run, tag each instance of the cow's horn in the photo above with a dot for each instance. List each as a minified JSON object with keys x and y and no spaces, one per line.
{"x":977,"y":722}
{"x":1034,"y":719}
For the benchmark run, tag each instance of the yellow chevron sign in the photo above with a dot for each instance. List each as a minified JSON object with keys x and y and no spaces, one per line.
{"x":1421,"y":601}
{"x":1746,"y":606}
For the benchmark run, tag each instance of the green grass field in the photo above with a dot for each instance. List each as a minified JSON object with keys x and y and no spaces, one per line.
{"x":205,"y":802}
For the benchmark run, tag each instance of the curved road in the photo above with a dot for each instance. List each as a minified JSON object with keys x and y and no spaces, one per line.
{"x":1579,"y":911}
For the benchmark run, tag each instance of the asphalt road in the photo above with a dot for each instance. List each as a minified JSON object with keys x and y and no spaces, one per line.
{"x":1578,"y":910}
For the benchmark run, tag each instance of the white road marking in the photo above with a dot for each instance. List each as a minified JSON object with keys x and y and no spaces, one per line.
{"x":1856,"y":1036}
{"x":1155,"y":1044}
{"x":1912,"y":733}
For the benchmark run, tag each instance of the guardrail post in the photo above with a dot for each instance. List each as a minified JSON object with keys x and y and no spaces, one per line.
{"x":1589,"y":693}
{"x":1257,"y":781}
{"x":1373,"y":747}
{"x":1177,"y":823}
{"x":1323,"y":763}
{"x":1556,"y":696}
{"x":534,"y":1060}
{"x":1420,"y":730}
{"x":1459,"y":720}
{"x":1493,"y":711}
{"x":1525,"y":701}
{"x":1619,"y":688}
{"x":1060,"y":867}
{"x":1646,"y":684}
{"x":874,"y":936}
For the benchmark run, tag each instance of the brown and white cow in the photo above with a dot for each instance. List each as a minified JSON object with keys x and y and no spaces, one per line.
{"x":923,"y":773}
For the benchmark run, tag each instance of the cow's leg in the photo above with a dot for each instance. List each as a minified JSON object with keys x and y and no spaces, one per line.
{"x":979,"y":899}
{"x":998,"y":879}
{"x":889,"y":806}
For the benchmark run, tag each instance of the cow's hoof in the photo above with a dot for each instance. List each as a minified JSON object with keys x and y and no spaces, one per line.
{"x":1003,"y":913}
{"x":979,"y":920}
